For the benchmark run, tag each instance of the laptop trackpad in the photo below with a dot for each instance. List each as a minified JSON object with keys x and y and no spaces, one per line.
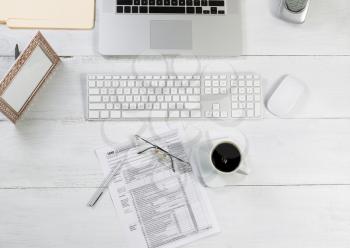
{"x":171,"y":34}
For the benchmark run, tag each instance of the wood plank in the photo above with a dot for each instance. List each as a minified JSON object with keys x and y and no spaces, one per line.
{"x":325,"y":32}
{"x":326,"y":77}
{"x":57,"y":218}
{"x":250,"y":217}
{"x":64,"y":42}
{"x":281,"y":152}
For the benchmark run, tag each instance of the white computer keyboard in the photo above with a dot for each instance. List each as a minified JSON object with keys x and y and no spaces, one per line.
{"x":130,"y":97}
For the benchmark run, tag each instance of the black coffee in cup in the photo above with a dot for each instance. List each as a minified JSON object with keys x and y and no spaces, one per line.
{"x":226,"y":157}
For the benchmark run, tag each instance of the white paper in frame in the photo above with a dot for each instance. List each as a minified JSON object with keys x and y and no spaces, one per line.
{"x":23,"y":81}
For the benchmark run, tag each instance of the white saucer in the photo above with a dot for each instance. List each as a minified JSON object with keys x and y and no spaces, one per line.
{"x":207,"y":173}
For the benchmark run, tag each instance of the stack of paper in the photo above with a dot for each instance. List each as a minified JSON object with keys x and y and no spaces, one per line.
{"x":158,"y":208}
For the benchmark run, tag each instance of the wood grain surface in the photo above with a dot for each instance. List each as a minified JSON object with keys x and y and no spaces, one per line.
{"x":297,"y":194}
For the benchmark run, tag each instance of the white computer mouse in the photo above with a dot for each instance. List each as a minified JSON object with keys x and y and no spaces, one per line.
{"x":287,"y":97}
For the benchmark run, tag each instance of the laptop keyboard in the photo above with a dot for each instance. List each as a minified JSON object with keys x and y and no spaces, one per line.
{"x":201,"y":7}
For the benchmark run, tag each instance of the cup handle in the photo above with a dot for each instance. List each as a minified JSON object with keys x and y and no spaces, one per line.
{"x":243,"y":172}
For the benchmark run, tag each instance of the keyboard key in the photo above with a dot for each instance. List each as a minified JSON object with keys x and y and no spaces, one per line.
{"x":221,"y":12}
{"x":224,"y":114}
{"x":128,"y":98}
{"x":204,"y":3}
{"x":189,"y":2}
{"x":179,"y":105}
{"x":174,"y":2}
{"x":195,"y":113}
{"x":105,"y":98}
{"x":257,"y":109}
{"x":152,"y":2}
{"x":185,"y":114}
{"x":144,"y":2}
{"x":95,"y":98}
{"x":195,"y":83}
{"x":189,"y":91}
{"x":143,"y":9}
{"x":250,"y":113}
{"x":213,"y":10}
{"x":144,"y":114}
{"x":173,"y":10}
{"x":96,"y":106}
{"x":198,"y":10}
{"x":238,"y":113}
{"x":197,"y":2}
{"x":192,"y":105}
{"x":136,"y":2}
{"x":135,"y":9}
{"x":166,"y":2}
{"x":242,"y":105}
{"x":109,"y":106}
{"x":94,"y":114}
{"x":216,"y":106}
{"x":127,"y":9}
{"x":249,"y":105}
{"x":182,"y":2}
{"x":164,"y":105}
{"x":208,"y":114}
{"x":159,"y":2}
{"x":124,"y":2}
{"x":115,"y":114}
{"x":194,"y":98}
{"x":104,"y":114}
{"x":216,"y":3}
{"x":174,"y":114}
{"x":92,"y":84}
{"x":119,"y":9}
{"x":216,"y":114}
{"x":206,"y":12}
{"x":141,"y":105}
{"x":94,"y":91}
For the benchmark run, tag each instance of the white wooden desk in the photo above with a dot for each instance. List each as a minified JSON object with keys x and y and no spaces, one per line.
{"x":298,"y":194}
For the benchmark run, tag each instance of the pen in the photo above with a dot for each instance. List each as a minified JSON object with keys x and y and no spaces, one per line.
{"x":96,"y":196}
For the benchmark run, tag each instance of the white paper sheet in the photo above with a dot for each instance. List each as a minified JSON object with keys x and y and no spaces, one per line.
{"x":157,"y":207}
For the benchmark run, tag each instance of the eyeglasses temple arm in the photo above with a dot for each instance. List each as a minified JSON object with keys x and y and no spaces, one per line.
{"x":137,"y":136}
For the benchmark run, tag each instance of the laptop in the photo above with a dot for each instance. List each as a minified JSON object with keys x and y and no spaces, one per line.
{"x":174,"y":27}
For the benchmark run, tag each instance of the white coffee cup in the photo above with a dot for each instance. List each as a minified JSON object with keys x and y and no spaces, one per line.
{"x":226,"y":157}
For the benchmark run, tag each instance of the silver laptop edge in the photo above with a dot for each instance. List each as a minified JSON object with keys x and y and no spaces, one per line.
{"x":173,"y":34}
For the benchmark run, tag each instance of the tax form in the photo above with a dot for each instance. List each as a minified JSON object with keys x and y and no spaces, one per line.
{"x":157,"y":207}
